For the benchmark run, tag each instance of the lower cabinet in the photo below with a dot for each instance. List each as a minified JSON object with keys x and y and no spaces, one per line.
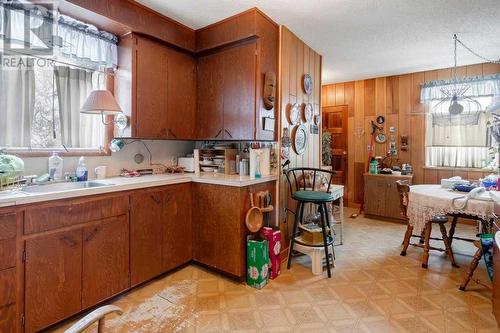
{"x":160,"y":230}
{"x":68,"y":271}
{"x":8,"y":322}
{"x":53,"y":278}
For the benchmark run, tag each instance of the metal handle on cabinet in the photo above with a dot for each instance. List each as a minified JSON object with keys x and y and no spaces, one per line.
{"x":172,"y":133}
{"x":228,"y":133}
{"x":68,"y":240}
{"x":218,"y":133}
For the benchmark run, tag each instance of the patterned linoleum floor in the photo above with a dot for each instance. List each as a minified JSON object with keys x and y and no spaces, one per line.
{"x":372,"y":289}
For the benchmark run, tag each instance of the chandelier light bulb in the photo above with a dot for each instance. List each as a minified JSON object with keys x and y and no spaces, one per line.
{"x":455,"y":107}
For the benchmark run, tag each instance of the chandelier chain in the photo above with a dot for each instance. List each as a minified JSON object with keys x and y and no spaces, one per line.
{"x":471,"y":51}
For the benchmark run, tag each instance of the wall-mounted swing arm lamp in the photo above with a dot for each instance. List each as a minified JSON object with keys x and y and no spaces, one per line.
{"x":102,"y":102}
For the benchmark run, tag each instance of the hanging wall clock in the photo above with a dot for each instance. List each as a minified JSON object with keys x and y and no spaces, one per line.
{"x":299,"y":139}
{"x":307,"y":84}
{"x":380,"y":138}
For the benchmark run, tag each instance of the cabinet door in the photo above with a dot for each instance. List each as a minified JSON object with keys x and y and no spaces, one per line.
{"x":210,"y":82}
{"x":105,"y":260}
{"x":239,"y":92}
{"x":181,"y":103}
{"x":146,"y":220}
{"x":8,"y":322}
{"x":53,"y":278}
{"x":392,"y":206}
{"x":177,"y":233}
{"x":149,"y":118}
{"x":206,"y":216}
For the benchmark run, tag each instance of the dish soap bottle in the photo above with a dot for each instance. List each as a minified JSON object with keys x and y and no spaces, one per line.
{"x":56,"y":166}
{"x":373,"y":169}
{"x":81,"y":171}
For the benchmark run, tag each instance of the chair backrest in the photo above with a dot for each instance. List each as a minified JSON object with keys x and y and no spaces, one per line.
{"x":403,"y":187}
{"x":309,"y":179}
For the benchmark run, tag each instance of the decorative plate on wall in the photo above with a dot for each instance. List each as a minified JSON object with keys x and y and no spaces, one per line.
{"x":317,"y":119}
{"x":380,"y":138}
{"x":299,"y":139}
{"x":295,"y":114}
{"x":307,"y":84}
{"x":308,"y":112}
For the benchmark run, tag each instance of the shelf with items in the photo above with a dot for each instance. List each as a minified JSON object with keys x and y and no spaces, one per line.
{"x":218,"y":160}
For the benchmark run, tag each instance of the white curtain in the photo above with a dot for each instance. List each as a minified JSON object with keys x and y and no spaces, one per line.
{"x":73,"y":86}
{"x":17,"y":104}
{"x":60,"y":37}
{"x":466,"y":157}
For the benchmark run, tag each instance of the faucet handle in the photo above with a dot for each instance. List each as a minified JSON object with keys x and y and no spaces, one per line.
{"x":30,"y":179}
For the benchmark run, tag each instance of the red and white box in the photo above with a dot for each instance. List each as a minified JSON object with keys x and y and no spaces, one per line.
{"x":274,"y":239}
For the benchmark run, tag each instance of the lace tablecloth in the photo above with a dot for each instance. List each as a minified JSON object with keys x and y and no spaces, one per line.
{"x":425,"y":201}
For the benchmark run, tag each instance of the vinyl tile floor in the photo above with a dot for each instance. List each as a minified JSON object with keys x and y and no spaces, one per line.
{"x":372,"y":289}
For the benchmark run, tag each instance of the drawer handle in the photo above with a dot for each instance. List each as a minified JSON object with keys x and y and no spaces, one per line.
{"x":68,"y":240}
{"x":92,"y":234}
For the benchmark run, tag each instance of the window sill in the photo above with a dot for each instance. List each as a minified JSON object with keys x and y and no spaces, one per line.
{"x":46,"y":152}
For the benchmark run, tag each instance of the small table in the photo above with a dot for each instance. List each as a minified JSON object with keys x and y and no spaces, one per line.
{"x":425,"y":201}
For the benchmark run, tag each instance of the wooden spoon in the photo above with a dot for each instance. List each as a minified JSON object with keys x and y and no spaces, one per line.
{"x":254,"y":218}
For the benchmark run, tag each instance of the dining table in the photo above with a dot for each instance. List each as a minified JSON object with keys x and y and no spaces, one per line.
{"x":428,"y":200}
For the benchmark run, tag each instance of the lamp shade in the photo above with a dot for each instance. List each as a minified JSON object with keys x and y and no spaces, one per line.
{"x":101,"y":102}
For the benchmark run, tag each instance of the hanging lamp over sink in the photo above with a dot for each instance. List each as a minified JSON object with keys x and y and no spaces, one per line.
{"x":102,"y":102}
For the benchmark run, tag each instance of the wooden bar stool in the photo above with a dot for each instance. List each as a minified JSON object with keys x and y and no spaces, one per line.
{"x":404,"y":189}
{"x":311,"y":186}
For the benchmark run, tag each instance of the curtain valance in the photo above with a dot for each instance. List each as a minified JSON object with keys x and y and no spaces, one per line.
{"x":53,"y":35}
{"x":478,"y":86}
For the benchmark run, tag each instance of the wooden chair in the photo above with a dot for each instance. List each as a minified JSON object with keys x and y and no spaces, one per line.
{"x":472,"y":267}
{"x":404,"y":190}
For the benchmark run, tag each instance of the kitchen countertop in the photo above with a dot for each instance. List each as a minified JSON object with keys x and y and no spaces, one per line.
{"x":14,"y":198}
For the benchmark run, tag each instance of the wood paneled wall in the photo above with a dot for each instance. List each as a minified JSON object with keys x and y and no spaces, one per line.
{"x":296,"y":59}
{"x":397,"y":98}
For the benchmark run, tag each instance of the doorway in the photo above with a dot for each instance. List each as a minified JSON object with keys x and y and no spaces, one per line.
{"x":335,"y":122}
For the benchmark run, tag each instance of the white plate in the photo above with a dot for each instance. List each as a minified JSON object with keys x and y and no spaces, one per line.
{"x":308,"y":112}
{"x":295,"y":114}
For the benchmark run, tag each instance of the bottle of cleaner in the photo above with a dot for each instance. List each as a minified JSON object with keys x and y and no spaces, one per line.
{"x":81,"y":171}
{"x":56,"y":166}
{"x":373,"y":169}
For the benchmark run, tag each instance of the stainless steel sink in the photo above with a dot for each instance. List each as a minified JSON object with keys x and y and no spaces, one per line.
{"x":48,"y":188}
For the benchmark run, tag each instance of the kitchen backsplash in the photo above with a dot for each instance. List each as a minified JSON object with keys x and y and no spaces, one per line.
{"x":163,"y":152}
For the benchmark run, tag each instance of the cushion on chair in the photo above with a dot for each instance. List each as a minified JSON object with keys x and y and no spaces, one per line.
{"x":312,"y":196}
{"x":439,"y":219}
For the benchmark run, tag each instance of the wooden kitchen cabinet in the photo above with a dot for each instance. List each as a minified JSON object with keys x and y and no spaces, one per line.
{"x":161,"y":236}
{"x":156,"y":87}
{"x":146,"y":231}
{"x":53,"y":278}
{"x":8,"y":300}
{"x":105,"y":260}
{"x":381,"y":195}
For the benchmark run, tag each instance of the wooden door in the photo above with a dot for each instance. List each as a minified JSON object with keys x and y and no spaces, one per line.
{"x":146,"y":223}
{"x":239,"y":92}
{"x":53,"y":278}
{"x":177,"y":231}
{"x":335,"y":122}
{"x":151,"y":67}
{"x":209,"y":112}
{"x":181,"y":100}
{"x":105,"y":260}
{"x":206,"y":227}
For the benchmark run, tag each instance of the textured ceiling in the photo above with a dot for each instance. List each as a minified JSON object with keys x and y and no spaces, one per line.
{"x":362,"y":39}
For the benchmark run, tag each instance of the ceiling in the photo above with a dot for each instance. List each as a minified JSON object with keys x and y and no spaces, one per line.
{"x":362,"y":39}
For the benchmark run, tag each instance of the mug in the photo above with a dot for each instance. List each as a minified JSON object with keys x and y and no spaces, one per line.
{"x":100,"y":172}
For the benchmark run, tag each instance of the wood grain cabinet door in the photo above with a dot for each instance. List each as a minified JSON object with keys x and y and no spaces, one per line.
{"x":181,"y":100}
{"x":53,"y":278}
{"x":146,"y":222}
{"x":105,"y":260}
{"x":8,"y":320}
{"x":239,"y":68}
{"x":209,"y":111}
{"x":150,"y":119}
{"x":177,"y":232}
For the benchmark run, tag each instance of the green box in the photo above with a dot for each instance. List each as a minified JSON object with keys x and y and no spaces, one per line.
{"x":257,"y":263}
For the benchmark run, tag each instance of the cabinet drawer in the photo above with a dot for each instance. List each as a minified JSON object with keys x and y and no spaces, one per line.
{"x":7,"y":226}
{"x":7,"y":253}
{"x":66,"y":213}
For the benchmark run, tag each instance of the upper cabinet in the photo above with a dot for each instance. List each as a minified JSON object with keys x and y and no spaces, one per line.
{"x":215,"y":92}
{"x":156,"y":87}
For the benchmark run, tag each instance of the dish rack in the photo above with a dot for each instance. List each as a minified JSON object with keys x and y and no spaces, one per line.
{"x":10,"y":183}
{"x":218,"y":160}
